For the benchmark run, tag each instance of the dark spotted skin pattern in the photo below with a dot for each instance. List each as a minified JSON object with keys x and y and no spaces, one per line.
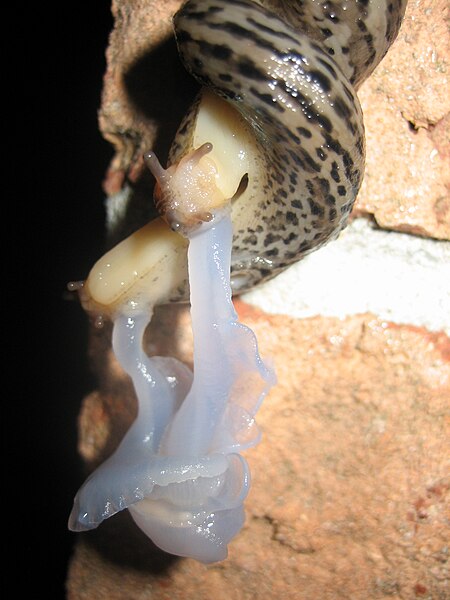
{"x":292,"y":69}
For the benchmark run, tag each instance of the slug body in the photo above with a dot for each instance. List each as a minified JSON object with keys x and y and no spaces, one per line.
{"x":293,"y":78}
{"x":264,"y":169}
{"x":279,"y":105}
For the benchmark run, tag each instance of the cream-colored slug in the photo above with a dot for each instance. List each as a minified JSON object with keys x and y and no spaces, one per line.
{"x":264,"y":169}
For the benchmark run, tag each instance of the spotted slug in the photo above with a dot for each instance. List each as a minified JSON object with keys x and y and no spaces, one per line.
{"x":279,"y":105}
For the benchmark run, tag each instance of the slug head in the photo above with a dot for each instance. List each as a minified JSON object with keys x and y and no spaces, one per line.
{"x":186,"y":194}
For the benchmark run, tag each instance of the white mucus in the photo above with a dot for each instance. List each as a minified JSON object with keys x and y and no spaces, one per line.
{"x":179,"y":468}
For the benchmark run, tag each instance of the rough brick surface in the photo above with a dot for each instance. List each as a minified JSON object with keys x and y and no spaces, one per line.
{"x":406,"y":106}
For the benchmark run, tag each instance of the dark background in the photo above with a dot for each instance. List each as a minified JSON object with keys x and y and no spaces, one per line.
{"x":53,"y":217}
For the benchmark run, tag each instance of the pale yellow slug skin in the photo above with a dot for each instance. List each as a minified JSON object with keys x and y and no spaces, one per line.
{"x":141,"y":271}
{"x":148,"y":267}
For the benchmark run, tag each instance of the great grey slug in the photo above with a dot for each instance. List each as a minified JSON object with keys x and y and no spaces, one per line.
{"x":293,"y":76}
